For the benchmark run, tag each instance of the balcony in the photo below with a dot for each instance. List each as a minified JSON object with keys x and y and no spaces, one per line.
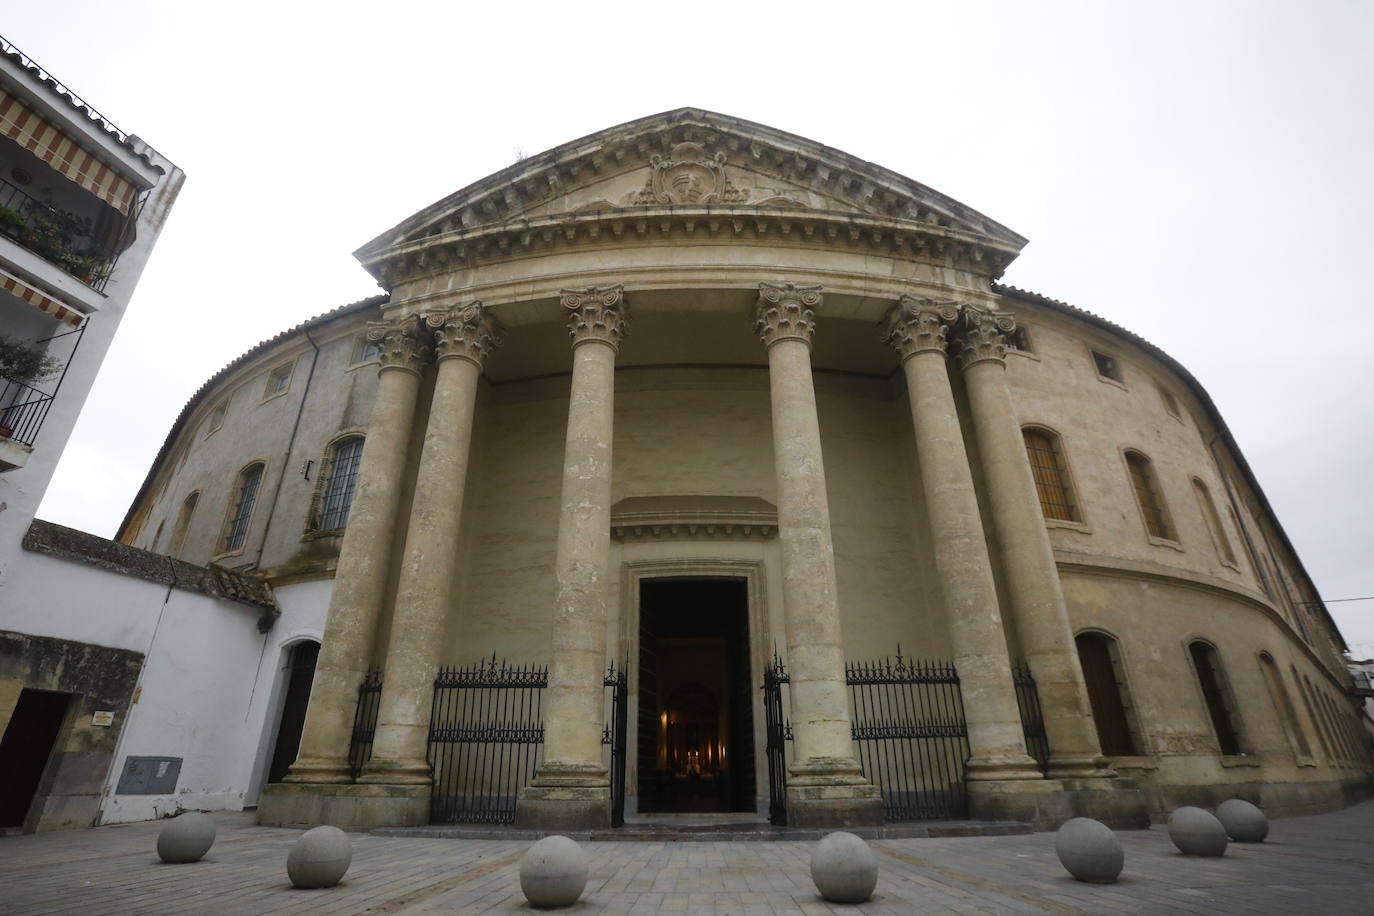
{"x":62,"y":238}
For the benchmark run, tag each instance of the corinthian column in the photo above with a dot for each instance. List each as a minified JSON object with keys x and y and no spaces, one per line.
{"x":1037,"y":598}
{"x":825,"y":786}
{"x":360,"y":582}
{"x":463,"y":337}
{"x":916,"y":329}
{"x":571,"y":790}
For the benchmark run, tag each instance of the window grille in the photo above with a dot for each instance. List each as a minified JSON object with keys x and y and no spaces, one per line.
{"x":237,"y":530}
{"x":1147,"y":494}
{"x":1051,"y":481}
{"x":340,"y":478}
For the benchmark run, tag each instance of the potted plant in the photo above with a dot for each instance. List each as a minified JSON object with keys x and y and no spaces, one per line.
{"x":24,"y":362}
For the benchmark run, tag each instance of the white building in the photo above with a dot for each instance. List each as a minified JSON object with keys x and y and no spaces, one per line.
{"x":107,"y":654}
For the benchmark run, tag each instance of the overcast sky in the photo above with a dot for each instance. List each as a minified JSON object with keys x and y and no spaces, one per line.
{"x":1198,"y":172}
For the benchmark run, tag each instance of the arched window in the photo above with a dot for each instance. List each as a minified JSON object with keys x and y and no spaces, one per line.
{"x":1214,"y":693}
{"x":1097,"y":653}
{"x":338,"y":479}
{"x":1051,"y":477}
{"x":246,"y":493}
{"x":1148,"y":496}
{"x":1317,"y":725}
{"x":1209,"y":515}
{"x":188,"y":508}
{"x":1283,"y":704}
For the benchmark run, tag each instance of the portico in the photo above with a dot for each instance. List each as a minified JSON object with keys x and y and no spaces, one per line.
{"x":484,"y":519}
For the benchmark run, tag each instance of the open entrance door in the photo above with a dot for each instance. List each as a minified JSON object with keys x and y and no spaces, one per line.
{"x":696,"y":704}
{"x":25,"y":749}
{"x":300,"y":677}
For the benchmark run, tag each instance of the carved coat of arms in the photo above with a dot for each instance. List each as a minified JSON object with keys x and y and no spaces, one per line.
{"x":687,"y":175}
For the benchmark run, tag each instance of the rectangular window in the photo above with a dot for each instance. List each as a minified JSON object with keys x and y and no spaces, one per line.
{"x":278,"y":380}
{"x":366,"y":351}
{"x":1107,"y":366}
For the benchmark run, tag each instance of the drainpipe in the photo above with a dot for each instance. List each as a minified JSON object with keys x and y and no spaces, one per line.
{"x":290,"y":443}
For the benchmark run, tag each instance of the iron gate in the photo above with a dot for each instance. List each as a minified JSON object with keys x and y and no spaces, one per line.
{"x":364,"y":721}
{"x":908,"y":725}
{"x":486,"y":740}
{"x":1032,"y":721}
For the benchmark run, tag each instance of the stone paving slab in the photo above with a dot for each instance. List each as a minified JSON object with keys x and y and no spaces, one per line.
{"x":1322,"y":864}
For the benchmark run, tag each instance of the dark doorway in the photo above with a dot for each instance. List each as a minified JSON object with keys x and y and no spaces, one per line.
{"x":1095,"y":651}
{"x":300,"y":675}
{"x":25,"y":749}
{"x":696,"y":697}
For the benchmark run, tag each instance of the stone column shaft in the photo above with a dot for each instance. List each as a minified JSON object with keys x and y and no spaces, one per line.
{"x":571,"y":790}
{"x":1037,"y":598}
{"x":917,"y":329}
{"x":825,"y":783}
{"x":360,"y":582}
{"x":464,"y":337}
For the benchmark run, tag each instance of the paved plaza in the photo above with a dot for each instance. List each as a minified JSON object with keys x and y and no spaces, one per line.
{"x":1322,"y":864}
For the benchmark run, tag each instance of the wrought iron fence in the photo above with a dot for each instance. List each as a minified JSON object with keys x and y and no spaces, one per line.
{"x":777,"y":732}
{"x":908,"y":725}
{"x":364,"y":721}
{"x":486,"y":740}
{"x":23,"y":409}
{"x":1032,"y":721}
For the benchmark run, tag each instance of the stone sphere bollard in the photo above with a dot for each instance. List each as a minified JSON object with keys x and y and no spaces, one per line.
{"x":320,"y":858}
{"x":1089,"y":850}
{"x":553,"y":872}
{"x":1196,"y":832}
{"x":1244,"y":822}
{"x":844,"y":868}
{"x":186,"y":838}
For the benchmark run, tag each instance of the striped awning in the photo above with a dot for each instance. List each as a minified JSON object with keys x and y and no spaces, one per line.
{"x":43,"y":302}
{"x":41,"y":137}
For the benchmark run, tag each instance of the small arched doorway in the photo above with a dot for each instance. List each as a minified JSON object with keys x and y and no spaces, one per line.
{"x":300,"y":674}
{"x":1097,"y":654}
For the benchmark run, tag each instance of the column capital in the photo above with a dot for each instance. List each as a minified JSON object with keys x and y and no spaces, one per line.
{"x":467,"y":332}
{"x":982,"y":335}
{"x":404,"y":343}
{"x":786,"y":311}
{"x":916,"y":324}
{"x":597,"y":313}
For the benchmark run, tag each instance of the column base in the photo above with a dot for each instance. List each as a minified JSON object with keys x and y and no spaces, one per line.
{"x":1048,"y":803}
{"x":559,"y":809}
{"x":1003,"y":768}
{"x":319,"y":771}
{"x":397,"y":773}
{"x":1079,"y":767}
{"x":351,"y":807}
{"x":831,"y":792}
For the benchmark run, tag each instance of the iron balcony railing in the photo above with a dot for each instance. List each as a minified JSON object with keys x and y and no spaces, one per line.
{"x":22,"y":410}
{"x":58,"y":236}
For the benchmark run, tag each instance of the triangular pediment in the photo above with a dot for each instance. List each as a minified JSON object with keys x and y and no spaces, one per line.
{"x":689,"y":158}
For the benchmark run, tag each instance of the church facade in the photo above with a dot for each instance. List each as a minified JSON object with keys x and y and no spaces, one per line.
{"x":701,"y":399}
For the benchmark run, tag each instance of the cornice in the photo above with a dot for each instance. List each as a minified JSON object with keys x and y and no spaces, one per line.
{"x":1073,"y":561}
{"x":463,"y":249}
{"x":738,"y":518}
